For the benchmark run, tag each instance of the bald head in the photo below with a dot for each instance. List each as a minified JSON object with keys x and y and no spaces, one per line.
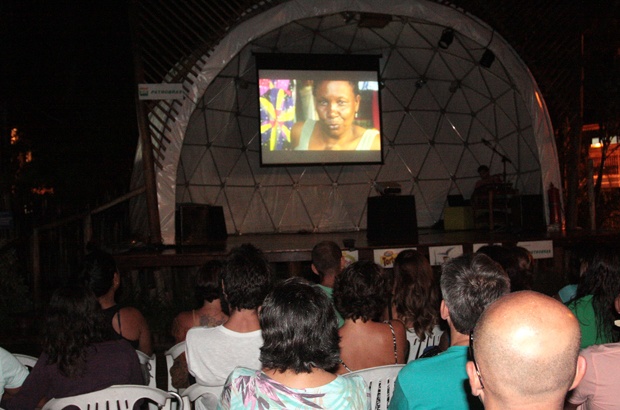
{"x":526,"y":345}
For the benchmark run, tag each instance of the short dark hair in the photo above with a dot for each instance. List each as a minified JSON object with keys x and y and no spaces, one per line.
{"x":208,"y":285}
{"x":299,"y":327}
{"x":247,"y":277}
{"x":316,"y":83}
{"x":326,"y":257}
{"x":98,"y":272}
{"x":469,"y":284}
{"x":361,"y":291}
{"x":507,"y":257}
{"x":74,"y":322}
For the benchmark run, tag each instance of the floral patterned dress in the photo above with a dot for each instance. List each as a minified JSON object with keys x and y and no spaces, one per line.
{"x":252,"y":389}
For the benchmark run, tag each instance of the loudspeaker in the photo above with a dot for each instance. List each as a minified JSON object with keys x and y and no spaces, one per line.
{"x":198,"y":224}
{"x":527,"y":212}
{"x":391,"y":218}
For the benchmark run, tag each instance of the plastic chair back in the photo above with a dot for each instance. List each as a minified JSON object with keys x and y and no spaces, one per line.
{"x":203,"y":397}
{"x":172,"y":354}
{"x":149,"y":368}
{"x":119,"y":397}
{"x":380,"y":381}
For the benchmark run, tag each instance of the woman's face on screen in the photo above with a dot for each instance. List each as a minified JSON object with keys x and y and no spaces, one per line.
{"x":336,"y":104}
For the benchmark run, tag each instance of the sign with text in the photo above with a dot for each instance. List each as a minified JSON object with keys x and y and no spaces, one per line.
{"x":538,"y":249}
{"x":163,"y":91}
{"x":440,"y":254}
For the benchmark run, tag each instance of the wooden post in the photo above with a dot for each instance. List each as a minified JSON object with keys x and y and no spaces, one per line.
{"x":148,"y":163}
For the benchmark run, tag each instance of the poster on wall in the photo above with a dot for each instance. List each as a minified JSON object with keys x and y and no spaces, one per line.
{"x":385,"y":257}
{"x":440,"y":254}
{"x":350,"y":257}
{"x":538,"y":249}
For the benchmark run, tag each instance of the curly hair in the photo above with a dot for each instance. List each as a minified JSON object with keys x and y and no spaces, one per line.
{"x":602,"y":280}
{"x":74,"y":322}
{"x":247,"y":277}
{"x":300,"y":329}
{"x":208,"y":285}
{"x":416,"y":294}
{"x":361,"y":292}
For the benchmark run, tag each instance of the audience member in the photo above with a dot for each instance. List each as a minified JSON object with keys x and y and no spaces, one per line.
{"x":525,"y":353}
{"x":209,"y":314}
{"x":594,"y":302}
{"x":361,"y":296}
{"x":600,"y":387}
{"x":469,"y":284}
{"x":514,"y":264}
{"x":102,"y":277}
{"x":300,"y":351}
{"x":12,"y":375}
{"x":76,"y":358}
{"x":579,"y":260}
{"x":486,"y":179}
{"x":327,"y":263}
{"x":416,"y":300}
{"x":212,"y":353}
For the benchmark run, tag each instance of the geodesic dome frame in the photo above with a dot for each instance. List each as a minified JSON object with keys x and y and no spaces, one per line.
{"x":438,"y":107}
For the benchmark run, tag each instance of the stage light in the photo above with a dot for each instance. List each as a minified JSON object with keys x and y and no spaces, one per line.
{"x":447,"y":36}
{"x":487,"y":58}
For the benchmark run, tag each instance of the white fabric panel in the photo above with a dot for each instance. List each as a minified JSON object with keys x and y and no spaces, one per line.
{"x":432,"y":134}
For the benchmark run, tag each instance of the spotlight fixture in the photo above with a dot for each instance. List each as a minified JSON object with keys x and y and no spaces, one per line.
{"x":447,"y":36}
{"x":487,"y":58}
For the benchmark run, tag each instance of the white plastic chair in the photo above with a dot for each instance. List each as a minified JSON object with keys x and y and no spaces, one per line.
{"x":416,"y":348}
{"x":150,"y":363}
{"x":203,"y":397}
{"x":170,"y":355}
{"x":119,"y":397}
{"x":380,"y":381}
{"x":26,"y":360}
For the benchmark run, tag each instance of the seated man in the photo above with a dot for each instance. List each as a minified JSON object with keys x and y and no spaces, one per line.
{"x":468,"y":285}
{"x":328,"y":262}
{"x":600,"y":386}
{"x":213,"y":352}
{"x":525,"y":352}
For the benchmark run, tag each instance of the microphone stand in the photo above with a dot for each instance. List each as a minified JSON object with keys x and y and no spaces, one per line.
{"x":504,"y":158}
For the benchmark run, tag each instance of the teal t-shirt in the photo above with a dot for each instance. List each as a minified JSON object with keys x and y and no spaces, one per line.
{"x":583,"y":309}
{"x":330,"y":292}
{"x":438,"y":382}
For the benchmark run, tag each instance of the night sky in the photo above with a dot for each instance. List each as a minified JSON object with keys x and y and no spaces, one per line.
{"x":67,"y":85}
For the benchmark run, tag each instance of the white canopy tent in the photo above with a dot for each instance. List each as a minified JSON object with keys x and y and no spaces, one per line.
{"x":438,"y":106}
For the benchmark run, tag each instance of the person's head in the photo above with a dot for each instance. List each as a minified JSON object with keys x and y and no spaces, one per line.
{"x":208,"y":284}
{"x":469,"y":284}
{"x":300,"y":328}
{"x":74,"y":321}
{"x":246,"y":278}
{"x":601,"y":279}
{"x":336,"y":103}
{"x":526,"y":348}
{"x":508,"y":258}
{"x":416,"y":295}
{"x":483,"y":171}
{"x":361,"y":291}
{"x":100,"y":273}
{"x":327,"y":260}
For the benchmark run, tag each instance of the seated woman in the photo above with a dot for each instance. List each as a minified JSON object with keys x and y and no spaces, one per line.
{"x":300,"y":351}
{"x":209,"y":314}
{"x":337,"y":104}
{"x":361,"y":297}
{"x":78,"y":356}
{"x":416,"y":301}
{"x":102,"y":277}
{"x":595,"y":299}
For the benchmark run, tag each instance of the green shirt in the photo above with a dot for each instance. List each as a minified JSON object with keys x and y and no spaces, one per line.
{"x":584,"y":311}
{"x":329,"y":292}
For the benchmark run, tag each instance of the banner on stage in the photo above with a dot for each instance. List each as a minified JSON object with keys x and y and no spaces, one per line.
{"x":350,"y":257}
{"x":385,"y":257}
{"x":538,"y":249}
{"x":440,"y":254}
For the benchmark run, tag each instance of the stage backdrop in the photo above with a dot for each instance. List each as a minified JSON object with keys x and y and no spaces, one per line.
{"x":439,"y":106}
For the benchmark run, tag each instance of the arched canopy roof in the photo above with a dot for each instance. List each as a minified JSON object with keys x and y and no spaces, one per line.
{"x":433,"y":133}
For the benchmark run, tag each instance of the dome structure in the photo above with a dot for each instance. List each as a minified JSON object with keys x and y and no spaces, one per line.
{"x":444,"y":113}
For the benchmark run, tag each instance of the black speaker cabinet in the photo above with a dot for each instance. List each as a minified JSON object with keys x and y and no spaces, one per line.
{"x":528,"y":213}
{"x":198,"y":224}
{"x":391,"y":219}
